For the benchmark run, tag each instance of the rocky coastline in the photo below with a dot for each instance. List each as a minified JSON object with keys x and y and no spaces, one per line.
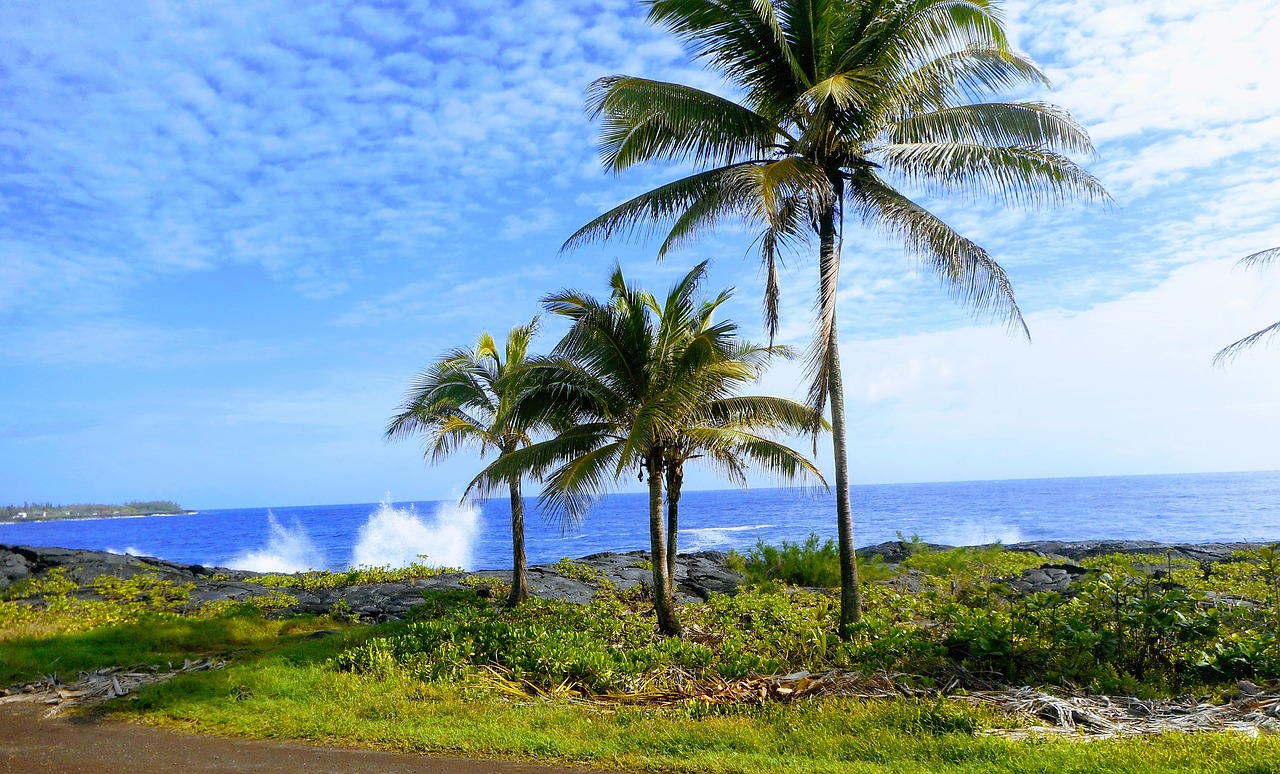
{"x":698,"y":575}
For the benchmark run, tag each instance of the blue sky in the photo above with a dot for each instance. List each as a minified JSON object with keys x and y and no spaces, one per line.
{"x":230,"y":234}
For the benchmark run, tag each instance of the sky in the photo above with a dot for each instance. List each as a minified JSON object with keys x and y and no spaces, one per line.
{"x":232,"y":233}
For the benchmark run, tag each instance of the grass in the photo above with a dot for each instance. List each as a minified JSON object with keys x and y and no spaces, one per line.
{"x":541,"y":683}
{"x":293,"y":695}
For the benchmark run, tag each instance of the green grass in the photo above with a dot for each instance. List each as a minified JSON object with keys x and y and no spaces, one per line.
{"x":293,"y":695}
{"x":158,"y":640}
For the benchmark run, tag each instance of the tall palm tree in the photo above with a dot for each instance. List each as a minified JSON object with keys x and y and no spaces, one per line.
{"x":647,"y":385}
{"x":1264,"y":258}
{"x":842,"y":102}
{"x":467,"y":398}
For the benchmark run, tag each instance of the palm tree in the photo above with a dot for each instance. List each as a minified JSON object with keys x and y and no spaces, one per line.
{"x":467,"y":398}
{"x":646,"y":386}
{"x":1264,"y":258}
{"x":837,"y":95}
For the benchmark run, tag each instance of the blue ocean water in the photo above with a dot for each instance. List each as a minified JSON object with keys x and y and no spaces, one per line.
{"x":1199,"y":508}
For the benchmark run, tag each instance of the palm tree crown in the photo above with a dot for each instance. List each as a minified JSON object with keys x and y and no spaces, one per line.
{"x":468,"y":398}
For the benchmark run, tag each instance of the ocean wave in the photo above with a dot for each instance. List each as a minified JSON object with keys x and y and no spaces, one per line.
{"x":706,"y":538}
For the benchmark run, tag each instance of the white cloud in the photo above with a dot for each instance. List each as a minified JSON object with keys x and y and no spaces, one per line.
{"x":1127,"y":386}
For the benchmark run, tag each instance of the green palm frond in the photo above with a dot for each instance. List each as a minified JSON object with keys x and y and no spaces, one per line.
{"x":645,"y":121}
{"x":1022,"y":124}
{"x":743,"y":40}
{"x":965,"y":75}
{"x":643,"y":214}
{"x":964,"y":268}
{"x":1015,"y":175}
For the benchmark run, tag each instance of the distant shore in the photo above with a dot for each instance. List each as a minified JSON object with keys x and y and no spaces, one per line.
{"x":43,"y":516}
{"x":35,"y":511}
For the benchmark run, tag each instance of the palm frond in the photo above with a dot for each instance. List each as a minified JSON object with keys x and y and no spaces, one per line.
{"x":746,"y":40}
{"x":1019,"y":175}
{"x":1264,"y":258}
{"x":1229,"y":353}
{"x":971,"y":74}
{"x":964,"y":268}
{"x":640,"y":216}
{"x":645,"y":121}
{"x":1022,"y":124}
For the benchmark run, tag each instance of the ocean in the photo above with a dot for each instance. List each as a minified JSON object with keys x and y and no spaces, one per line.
{"x":1172,"y":508}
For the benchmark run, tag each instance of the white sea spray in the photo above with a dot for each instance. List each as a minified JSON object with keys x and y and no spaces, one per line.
{"x":398,"y":537}
{"x":128,"y":551}
{"x":974,"y":533}
{"x":289,"y":549}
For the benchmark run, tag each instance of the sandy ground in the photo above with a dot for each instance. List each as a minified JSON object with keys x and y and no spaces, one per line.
{"x":31,"y":744}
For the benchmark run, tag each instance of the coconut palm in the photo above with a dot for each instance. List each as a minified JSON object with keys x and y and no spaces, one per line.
{"x":467,"y":398}
{"x":1264,"y":258}
{"x":843,"y":102}
{"x":647,"y":386}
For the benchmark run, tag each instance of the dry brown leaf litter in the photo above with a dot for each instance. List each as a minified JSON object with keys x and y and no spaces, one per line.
{"x":99,"y":685}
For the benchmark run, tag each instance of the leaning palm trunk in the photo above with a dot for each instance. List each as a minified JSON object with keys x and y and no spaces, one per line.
{"x":675,"y":482}
{"x":663,"y":596}
{"x":519,"y":581}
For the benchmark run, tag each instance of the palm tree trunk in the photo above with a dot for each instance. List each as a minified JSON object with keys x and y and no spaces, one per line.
{"x":829,"y":259}
{"x":850,"y":593}
{"x":519,"y":583}
{"x":675,"y":481}
{"x":663,"y":598}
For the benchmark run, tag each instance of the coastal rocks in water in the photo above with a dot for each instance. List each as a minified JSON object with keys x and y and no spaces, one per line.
{"x":1086,"y":549}
{"x":898,"y":551}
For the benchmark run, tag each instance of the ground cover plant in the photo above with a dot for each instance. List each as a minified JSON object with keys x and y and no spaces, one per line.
{"x":356,"y":576}
{"x":597,"y":683}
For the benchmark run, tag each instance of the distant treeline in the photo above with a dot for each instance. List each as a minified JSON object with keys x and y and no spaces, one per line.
{"x":40,"y":511}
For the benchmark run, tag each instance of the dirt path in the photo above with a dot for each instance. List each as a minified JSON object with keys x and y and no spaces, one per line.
{"x":32,"y":745}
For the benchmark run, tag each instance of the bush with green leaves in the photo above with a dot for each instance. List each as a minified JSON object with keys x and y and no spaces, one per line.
{"x":811,"y":563}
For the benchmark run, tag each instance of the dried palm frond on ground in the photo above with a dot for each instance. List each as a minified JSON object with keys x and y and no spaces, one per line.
{"x":1108,"y":716}
{"x":99,"y":685}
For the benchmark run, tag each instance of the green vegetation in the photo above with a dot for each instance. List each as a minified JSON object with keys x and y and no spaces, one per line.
{"x":357,"y":576}
{"x":49,"y":512}
{"x":1127,"y":630}
{"x":598,"y":684}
